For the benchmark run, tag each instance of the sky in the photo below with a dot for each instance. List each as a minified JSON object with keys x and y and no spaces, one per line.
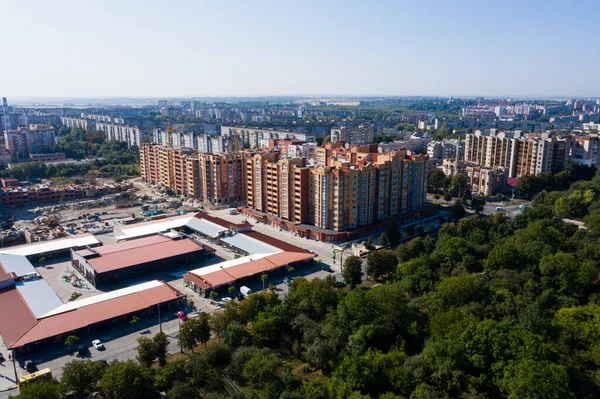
{"x":181,"y":48}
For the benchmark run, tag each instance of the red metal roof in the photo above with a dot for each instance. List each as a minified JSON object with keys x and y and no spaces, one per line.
{"x":250,"y":268}
{"x":63,"y":323}
{"x":217,"y":220}
{"x":15,"y":316}
{"x":135,"y":252}
{"x":285,"y":246}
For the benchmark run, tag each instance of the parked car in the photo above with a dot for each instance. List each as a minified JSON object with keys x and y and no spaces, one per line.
{"x":339,"y":284}
{"x":245,"y":291}
{"x":226,"y":299}
{"x":500,"y":209}
{"x":327,"y":268}
{"x":98,"y":345}
{"x":181,"y":314}
{"x":82,"y":350}
{"x":103,"y":361}
{"x":287,"y":281}
{"x":29,"y":365}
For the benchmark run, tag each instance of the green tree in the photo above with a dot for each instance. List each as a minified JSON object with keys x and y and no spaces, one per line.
{"x":438,"y":181}
{"x":478,"y":204}
{"x":458,"y":184}
{"x":161,"y":347}
{"x":236,"y":335}
{"x":567,"y":274}
{"x":264,"y":278}
{"x":203,"y":329}
{"x":352,"y":272}
{"x":219,"y":323}
{"x":71,"y":341}
{"x":134,"y":321}
{"x":458,"y":210}
{"x":82,"y":376}
{"x":39,"y":390}
{"x":536,"y":380}
{"x":383,"y":240}
{"x":126,"y":380}
{"x":188,"y":334}
{"x":182,"y":390}
{"x":381,"y":262}
{"x":145,"y":351}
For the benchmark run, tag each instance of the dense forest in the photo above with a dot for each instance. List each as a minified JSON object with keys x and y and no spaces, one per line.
{"x":492,"y":308}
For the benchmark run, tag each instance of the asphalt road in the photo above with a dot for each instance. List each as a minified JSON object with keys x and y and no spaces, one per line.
{"x":120,"y":343}
{"x":512,"y":210}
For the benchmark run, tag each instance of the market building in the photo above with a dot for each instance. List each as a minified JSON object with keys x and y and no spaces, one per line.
{"x":117,"y":263}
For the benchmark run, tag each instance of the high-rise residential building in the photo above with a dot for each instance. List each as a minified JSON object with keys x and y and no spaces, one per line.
{"x":32,"y":140}
{"x":211,"y":178}
{"x":132,"y":135}
{"x":344,"y":190}
{"x":6,"y":115}
{"x":519,"y":153}
{"x":277,"y":186}
{"x":353,"y":135}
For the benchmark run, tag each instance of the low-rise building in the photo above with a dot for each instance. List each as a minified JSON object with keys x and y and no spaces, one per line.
{"x":20,"y":196}
{"x":116,"y":263}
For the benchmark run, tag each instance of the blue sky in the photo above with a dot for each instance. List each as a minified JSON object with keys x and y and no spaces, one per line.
{"x":227,"y":48}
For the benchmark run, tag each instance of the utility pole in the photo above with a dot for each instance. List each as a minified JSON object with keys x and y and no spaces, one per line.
{"x":159,"y":321}
{"x":180,"y":347}
{"x":15,"y":367}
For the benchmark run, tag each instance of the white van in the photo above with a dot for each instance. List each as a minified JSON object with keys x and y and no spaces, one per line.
{"x":245,"y":291}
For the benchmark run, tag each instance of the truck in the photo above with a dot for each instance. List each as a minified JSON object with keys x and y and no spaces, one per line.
{"x":522,"y":208}
{"x":245,"y":291}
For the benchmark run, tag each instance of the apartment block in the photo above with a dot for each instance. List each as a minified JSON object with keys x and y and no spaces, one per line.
{"x":277,"y":186}
{"x":346,"y":189}
{"x":519,"y":153}
{"x":485,"y":181}
{"x":132,"y":135}
{"x":211,"y":178}
{"x":255,"y":138}
{"x":353,"y":135}
{"x":82,"y":123}
{"x":32,"y":140}
{"x":205,"y":143}
{"x":585,"y":150}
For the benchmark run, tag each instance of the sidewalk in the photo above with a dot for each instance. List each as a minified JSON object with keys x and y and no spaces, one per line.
{"x":7,"y":371}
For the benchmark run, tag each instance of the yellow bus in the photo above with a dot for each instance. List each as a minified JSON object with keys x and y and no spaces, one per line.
{"x":41,"y":375}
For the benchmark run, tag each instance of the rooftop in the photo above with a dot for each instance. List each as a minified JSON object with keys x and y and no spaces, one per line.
{"x":201,"y":222}
{"x":80,"y":314}
{"x":129,"y":253}
{"x":76,"y":241}
{"x":230,"y":271}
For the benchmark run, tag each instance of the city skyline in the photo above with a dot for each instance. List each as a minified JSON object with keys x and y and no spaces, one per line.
{"x":142,"y":50}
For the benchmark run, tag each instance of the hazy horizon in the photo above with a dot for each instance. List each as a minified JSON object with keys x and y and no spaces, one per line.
{"x":144,"y":49}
